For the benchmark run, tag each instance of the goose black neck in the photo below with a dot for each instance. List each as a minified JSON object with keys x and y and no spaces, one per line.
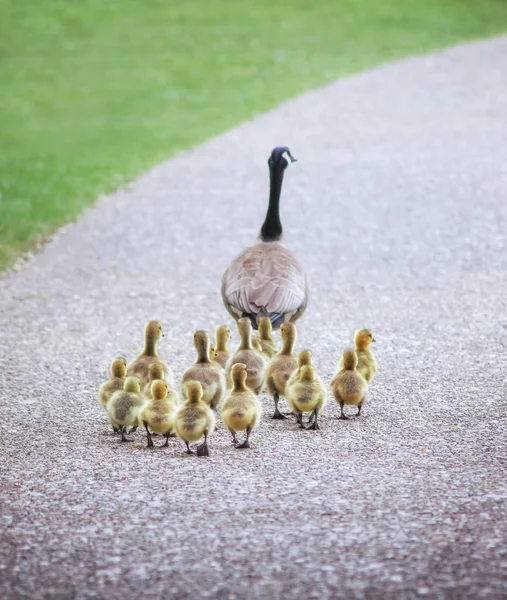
{"x":271,"y":230}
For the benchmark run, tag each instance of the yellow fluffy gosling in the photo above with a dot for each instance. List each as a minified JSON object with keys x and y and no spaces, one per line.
{"x":241,"y":410}
{"x":118,"y":372}
{"x":155,"y":371}
{"x":348,"y":385}
{"x":304,"y":359}
{"x":139,"y":367}
{"x":268,"y":345}
{"x":281,"y":367}
{"x":366,"y":364}
{"x":306,"y":393}
{"x":245,"y":354}
{"x":195,"y":419}
{"x":158,"y":414}
{"x":210,"y":375}
{"x":124,"y":406}
{"x":222,"y":336}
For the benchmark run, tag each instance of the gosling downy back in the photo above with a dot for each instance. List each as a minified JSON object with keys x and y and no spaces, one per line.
{"x":124,"y":406}
{"x":267,"y":279}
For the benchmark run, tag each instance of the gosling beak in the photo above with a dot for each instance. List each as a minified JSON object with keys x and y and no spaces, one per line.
{"x":292,"y":159}
{"x":373,"y":340}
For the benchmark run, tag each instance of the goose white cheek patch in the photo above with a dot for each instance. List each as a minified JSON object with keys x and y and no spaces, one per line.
{"x":287,"y":158}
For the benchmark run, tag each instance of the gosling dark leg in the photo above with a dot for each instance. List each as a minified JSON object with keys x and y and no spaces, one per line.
{"x":116,"y":429}
{"x":342,"y":416}
{"x":123,"y":438}
{"x":203,"y":450}
{"x":246,"y":443}
{"x":233,"y":433}
{"x":278,"y":414}
{"x":133,"y":430}
{"x":315,"y":425}
{"x":299,"y":420}
{"x":188,"y":449}
{"x":359,"y":407}
{"x":149,"y":443}
{"x":166,"y":440}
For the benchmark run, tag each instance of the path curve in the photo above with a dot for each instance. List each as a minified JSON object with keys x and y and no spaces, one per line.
{"x":398,"y":207}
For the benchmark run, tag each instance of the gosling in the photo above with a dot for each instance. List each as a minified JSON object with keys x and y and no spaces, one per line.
{"x":269,"y":348}
{"x":139,"y":367}
{"x":241,"y":410}
{"x":195,"y":419}
{"x":306,"y":393}
{"x":222,"y":336}
{"x":304,"y":359}
{"x":245,"y":354}
{"x":366,"y":364}
{"x":281,"y":367}
{"x":118,"y":372}
{"x":160,"y":412}
{"x":348,"y":385}
{"x":155,"y":371}
{"x":124,"y":406}
{"x":208,"y":373}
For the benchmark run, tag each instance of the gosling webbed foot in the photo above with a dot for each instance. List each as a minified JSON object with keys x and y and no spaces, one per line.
{"x":202,"y":449}
{"x":343,"y":417}
{"x":188,"y":449}
{"x":166,"y":441}
{"x":314,"y":426}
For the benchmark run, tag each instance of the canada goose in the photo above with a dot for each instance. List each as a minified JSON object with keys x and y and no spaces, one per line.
{"x":118,"y":372}
{"x":304,"y":359}
{"x":348,"y":385}
{"x":139,"y":367}
{"x":159,"y":412}
{"x":222,"y":335}
{"x":245,"y":354}
{"x":210,"y":374}
{"x":366,"y":364}
{"x":281,"y":367}
{"x":124,"y":406}
{"x":306,"y":393}
{"x":241,"y":410}
{"x":155,"y":371}
{"x":195,"y":419}
{"x":265,"y":338}
{"x":267,"y":279}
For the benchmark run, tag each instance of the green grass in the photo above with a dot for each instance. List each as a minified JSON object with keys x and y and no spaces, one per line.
{"x":96,"y":91}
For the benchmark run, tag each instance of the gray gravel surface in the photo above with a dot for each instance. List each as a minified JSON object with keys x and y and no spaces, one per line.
{"x":397,"y":207}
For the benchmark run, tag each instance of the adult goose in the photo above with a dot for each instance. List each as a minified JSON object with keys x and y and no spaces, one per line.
{"x":267,"y":279}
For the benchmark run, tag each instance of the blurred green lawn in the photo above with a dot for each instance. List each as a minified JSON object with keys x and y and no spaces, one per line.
{"x":96,"y":91}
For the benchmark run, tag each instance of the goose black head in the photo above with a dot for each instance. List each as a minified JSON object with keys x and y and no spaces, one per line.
{"x":280,"y":158}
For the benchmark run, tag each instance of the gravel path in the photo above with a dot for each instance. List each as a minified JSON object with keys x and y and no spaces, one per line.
{"x":398,"y":208}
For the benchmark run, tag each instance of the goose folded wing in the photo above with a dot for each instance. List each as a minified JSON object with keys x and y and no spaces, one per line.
{"x":269,"y":278}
